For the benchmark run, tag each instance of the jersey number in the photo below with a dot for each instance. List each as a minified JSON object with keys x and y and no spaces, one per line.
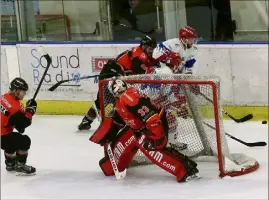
{"x":143,"y":111}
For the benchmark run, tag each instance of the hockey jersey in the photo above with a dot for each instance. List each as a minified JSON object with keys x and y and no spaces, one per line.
{"x":174,"y":45}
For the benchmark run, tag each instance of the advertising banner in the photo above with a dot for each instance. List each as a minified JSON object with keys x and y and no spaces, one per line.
{"x":68,"y":62}
{"x":4,"y":72}
{"x":78,"y":60}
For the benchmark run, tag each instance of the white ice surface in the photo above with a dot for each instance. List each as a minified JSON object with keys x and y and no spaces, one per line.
{"x":67,"y":168}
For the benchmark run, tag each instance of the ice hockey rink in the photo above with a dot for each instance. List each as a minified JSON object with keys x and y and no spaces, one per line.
{"x":67,"y":168}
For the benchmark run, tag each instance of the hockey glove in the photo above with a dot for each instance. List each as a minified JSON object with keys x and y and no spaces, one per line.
{"x":148,"y":144}
{"x":31,"y":106}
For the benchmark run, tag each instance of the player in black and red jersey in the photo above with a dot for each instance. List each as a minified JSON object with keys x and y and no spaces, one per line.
{"x":145,"y":127}
{"x":14,"y":116}
{"x":137,"y":60}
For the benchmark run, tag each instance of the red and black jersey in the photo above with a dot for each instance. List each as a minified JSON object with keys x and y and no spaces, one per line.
{"x":138,"y":112}
{"x":136,"y":60}
{"x":13,"y":115}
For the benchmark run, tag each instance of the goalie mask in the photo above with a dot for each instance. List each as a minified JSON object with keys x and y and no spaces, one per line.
{"x":117,"y":87}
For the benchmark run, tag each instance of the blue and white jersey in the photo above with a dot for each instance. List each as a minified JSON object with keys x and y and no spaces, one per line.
{"x":174,"y":45}
{"x":162,"y":91}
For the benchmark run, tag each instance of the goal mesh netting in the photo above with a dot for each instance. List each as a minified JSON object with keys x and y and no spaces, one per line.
{"x":195,"y":120}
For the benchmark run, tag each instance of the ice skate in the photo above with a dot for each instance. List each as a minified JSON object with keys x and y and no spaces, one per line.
{"x":24,"y":170}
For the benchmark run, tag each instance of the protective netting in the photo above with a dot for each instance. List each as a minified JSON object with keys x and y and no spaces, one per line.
{"x":48,"y":27}
{"x":194,"y":117}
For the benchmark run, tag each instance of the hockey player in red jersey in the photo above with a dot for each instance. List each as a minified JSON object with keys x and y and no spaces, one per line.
{"x":137,"y":60}
{"x":13,"y":115}
{"x":145,"y":128}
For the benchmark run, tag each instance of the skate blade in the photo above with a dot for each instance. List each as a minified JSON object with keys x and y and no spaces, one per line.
{"x":193,"y":177}
{"x":11,"y":171}
{"x":24,"y":174}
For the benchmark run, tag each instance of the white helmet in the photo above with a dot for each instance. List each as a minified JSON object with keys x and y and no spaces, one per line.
{"x":117,"y":87}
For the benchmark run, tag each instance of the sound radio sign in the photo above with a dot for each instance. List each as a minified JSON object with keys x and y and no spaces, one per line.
{"x":67,"y":63}
{"x":99,"y":62}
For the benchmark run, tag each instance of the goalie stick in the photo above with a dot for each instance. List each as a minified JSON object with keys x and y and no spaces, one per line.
{"x":119,"y":175}
{"x":249,"y":144}
{"x":243,"y":119}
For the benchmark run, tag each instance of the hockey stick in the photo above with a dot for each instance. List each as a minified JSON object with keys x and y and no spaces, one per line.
{"x":145,"y":32}
{"x":243,"y":119}
{"x":48,"y":58}
{"x":249,"y":144}
{"x":119,"y":175}
{"x":52,"y":88}
{"x":136,"y":29}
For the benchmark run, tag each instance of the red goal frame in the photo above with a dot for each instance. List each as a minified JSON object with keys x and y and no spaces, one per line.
{"x":222,"y":171}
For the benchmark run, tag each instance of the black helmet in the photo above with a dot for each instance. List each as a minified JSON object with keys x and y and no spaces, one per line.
{"x":146,"y":40}
{"x":18,"y":84}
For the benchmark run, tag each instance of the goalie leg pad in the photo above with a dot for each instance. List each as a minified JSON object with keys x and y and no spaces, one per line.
{"x":106,"y":166}
{"x":124,"y":148}
{"x":164,"y":159}
{"x":105,"y":132}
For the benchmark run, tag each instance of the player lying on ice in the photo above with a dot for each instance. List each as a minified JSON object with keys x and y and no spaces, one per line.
{"x":145,"y":128}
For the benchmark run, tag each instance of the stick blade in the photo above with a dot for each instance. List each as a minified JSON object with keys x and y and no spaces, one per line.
{"x":52,"y":88}
{"x":257,"y":144}
{"x":121,"y":175}
{"x":246,"y":118}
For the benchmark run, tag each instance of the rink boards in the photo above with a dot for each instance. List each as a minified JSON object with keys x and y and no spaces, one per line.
{"x":242,"y":68}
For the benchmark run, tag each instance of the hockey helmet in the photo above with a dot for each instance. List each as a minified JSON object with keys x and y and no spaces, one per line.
{"x":149,"y":41}
{"x":117,"y":87}
{"x":187,"y":32}
{"x":18,"y":84}
{"x":188,"y":36}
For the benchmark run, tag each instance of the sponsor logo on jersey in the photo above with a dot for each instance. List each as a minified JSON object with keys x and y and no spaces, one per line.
{"x":6,"y":102}
{"x":4,"y":110}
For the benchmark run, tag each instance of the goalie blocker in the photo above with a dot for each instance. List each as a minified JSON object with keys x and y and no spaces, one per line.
{"x":147,"y":131}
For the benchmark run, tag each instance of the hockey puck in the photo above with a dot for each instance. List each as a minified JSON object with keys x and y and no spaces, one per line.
{"x":264,"y":122}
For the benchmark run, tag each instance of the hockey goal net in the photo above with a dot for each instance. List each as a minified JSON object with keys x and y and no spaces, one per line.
{"x":195,"y":120}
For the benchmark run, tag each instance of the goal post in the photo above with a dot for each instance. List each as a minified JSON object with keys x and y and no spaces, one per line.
{"x":193,"y":120}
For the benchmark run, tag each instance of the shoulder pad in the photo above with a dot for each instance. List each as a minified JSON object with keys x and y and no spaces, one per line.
{"x":130,"y":97}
